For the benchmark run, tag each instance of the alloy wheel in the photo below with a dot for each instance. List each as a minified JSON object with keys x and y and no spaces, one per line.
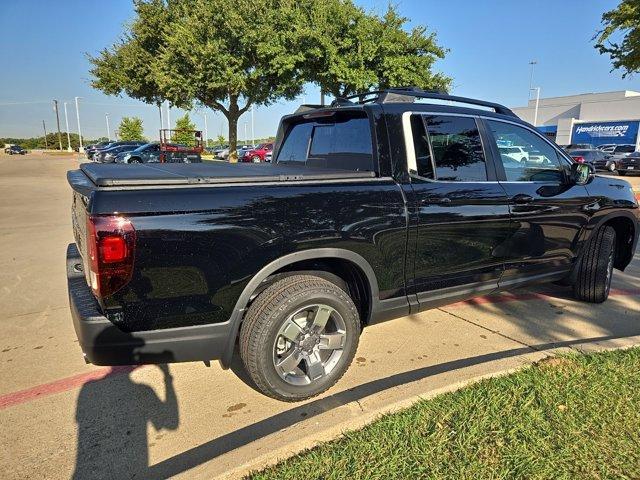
{"x":309,"y":344}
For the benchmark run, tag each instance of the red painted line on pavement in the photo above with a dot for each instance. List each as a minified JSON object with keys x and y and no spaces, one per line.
{"x":69,"y":383}
{"x":62,"y":385}
{"x":520,"y":297}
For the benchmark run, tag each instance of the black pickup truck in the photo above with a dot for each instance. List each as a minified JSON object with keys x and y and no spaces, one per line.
{"x":372,"y":209}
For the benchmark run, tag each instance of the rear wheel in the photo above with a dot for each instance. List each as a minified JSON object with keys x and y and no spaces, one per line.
{"x":255,"y":159}
{"x":595,"y":267}
{"x":299,"y":337}
{"x":612,"y":167}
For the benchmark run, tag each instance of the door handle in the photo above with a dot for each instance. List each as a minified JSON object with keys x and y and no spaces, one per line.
{"x":521,"y":199}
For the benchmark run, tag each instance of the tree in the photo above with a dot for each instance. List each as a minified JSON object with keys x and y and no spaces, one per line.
{"x":220,"y":140}
{"x":230,"y":54}
{"x":624,"y":22}
{"x":131,"y":129}
{"x":348,"y":50}
{"x":185,"y":138}
{"x":127,"y":66}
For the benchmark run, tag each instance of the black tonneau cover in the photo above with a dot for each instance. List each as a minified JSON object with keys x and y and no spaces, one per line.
{"x":112,"y":175}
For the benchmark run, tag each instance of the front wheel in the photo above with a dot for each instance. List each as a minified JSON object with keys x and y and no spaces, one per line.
{"x":612,"y":167}
{"x":299,"y":337}
{"x":595,"y":267}
{"x":255,"y":159}
{"x":621,"y":173}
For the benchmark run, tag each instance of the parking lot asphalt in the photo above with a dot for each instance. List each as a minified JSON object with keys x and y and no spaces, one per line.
{"x":61,"y":417}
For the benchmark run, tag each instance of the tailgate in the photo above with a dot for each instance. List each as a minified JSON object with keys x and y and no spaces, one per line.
{"x":82,"y":188}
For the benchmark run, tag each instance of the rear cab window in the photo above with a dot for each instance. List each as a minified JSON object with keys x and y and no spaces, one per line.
{"x":448,"y":148}
{"x":339,"y":141}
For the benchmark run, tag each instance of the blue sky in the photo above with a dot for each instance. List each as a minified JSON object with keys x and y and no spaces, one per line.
{"x":43,"y":46}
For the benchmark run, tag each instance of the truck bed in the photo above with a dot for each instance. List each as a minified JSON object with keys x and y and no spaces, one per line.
{"x":115,"y":175}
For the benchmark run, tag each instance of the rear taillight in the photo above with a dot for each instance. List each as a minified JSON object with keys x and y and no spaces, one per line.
{"x":578,"y":159}
{"x":111,"y":243}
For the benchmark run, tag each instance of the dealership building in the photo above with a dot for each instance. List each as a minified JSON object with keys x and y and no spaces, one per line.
{"x":595,"y":118}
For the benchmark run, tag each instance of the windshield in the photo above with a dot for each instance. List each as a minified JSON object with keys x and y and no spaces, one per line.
{"x":142,"y":148}
{"x":625,"y":148}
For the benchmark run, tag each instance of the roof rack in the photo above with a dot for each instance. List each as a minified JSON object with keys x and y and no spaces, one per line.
{"x":410,"y":94}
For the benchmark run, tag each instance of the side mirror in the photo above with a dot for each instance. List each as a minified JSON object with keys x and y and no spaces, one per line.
{"x":581,"y":173}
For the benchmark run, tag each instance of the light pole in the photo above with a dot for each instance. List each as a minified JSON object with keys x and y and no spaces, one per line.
{"x":535,"y":117}
{"x":533,"y":63}
{"x":66,"y":122}
{"x":106,"y":116}
{"x":253,"y":132}
{"x":81,"y":149}
{"x":206,"y":132}
{"x":46,"y":145}
{"x":168,"y":115}
{"x":245,"y":131}
{"x":55,"y":108}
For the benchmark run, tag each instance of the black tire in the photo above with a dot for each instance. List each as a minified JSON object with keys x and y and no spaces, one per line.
{"x":134,"y":160}
{"x":621,"y":173}
{"x":595,"y":267}
{"x":263,"y":322}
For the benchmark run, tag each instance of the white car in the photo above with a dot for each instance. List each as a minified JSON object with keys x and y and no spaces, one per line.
{"x":518,"y":154}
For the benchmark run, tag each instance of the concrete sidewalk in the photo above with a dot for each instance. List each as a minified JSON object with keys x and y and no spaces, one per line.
{"x":59,"y":415}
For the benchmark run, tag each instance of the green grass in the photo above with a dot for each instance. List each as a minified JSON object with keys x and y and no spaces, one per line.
{"x":570,"y":417}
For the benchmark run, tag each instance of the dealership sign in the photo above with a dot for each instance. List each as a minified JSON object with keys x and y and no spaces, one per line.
{"x":605,"y":132}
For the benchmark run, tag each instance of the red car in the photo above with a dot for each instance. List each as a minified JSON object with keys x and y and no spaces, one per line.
{"x":257,"y":154}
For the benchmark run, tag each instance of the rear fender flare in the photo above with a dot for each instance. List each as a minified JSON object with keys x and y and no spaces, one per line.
{"x":242,"y":302}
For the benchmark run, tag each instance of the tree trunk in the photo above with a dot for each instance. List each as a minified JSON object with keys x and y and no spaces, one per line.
{"x":232,"y":117}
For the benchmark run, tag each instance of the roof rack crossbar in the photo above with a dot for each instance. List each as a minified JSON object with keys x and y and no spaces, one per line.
{"x":409,"y":94}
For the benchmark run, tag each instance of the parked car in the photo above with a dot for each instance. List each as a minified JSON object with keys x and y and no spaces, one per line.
{"x":108,"y":155}
{"x":578,"y":146}
{"x":147,"y":153}
{"x":373,"y":208}
{"x":606,"y":147}
{"x":257,"y":154}
{"x":15,"y":150}
{"x":517,"y":153}
{"x":621,"y":151}
{"x":91,"y":149}
{"x":223,"y":153}
{"x":629,"y":164}
{"x":99,"y":154}
{"x":597,"y":158}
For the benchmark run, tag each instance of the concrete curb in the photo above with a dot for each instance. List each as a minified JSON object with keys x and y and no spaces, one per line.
{"x":361,"y":418}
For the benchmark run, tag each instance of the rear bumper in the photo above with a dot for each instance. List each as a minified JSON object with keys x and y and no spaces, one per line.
{"x":103,"y":343}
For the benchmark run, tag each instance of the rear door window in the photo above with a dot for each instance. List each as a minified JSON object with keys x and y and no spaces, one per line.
{"x":457,"y":148}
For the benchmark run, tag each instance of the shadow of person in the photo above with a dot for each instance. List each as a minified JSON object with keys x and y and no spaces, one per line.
{"x":112,"y":415}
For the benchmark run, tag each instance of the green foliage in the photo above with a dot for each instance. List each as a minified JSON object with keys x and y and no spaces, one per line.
{"x":623,"y":25}
{"x":127,"y":66}
{"x":348,"y":50}
{"x":220,"y":140}
{"x":573,"y":417}
{"x":183,"y":137}
{"x":52,"y":141}
{"x":131,"y":129}
{"x":230,"y":54}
